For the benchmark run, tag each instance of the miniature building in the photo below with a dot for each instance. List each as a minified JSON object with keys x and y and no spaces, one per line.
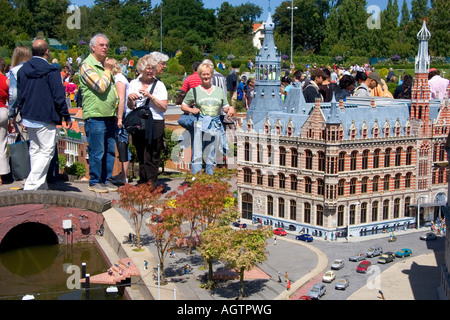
{"x":357,"y":167}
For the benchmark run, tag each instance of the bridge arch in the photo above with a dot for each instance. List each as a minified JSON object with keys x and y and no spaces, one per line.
{"x":50,"y":209}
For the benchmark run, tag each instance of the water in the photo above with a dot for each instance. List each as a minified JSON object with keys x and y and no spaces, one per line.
{"x":41,"y":271}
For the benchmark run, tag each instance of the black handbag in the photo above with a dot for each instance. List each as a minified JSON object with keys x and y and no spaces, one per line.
{"x":137,"y":118}
{"x":187,"y":120}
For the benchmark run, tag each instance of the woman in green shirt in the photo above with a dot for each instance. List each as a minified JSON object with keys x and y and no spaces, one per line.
{"x":209,"y":134}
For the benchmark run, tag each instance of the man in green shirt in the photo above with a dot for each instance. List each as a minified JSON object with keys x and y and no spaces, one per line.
{"x":100,"y":102}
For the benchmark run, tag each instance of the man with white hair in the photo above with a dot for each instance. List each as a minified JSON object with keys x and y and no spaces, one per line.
{"x":100,"y":103}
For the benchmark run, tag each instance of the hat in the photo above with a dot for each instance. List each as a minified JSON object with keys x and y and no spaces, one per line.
{"x":375,"y":76}
{"x":432,"y":69}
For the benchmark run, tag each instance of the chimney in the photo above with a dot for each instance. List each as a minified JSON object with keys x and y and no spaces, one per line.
{"x":373,"y":104}
{"x":341,"y":104}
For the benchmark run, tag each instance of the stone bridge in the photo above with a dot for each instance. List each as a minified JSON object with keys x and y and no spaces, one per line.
{"x":51,"y":209}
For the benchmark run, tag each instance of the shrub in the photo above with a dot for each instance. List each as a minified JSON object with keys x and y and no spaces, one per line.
{"x":77,"y":169}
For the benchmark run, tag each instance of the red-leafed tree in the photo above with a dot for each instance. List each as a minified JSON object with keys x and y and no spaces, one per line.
{"x":138,"y":201}
{"x":165,"y":233}
{"x":203,"y":203}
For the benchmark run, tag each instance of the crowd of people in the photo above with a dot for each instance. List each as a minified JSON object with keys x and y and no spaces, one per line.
{"x":35,"y":96}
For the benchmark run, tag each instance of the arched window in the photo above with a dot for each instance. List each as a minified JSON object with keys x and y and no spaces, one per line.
{"x":281,"y":207}
{"x":293,"y":210}
{"x":247,"y":206}
{"x":308,"y":159}
{"x":319,"y":215}
{"x":307,"y":213}
{"x":269,"y":205}
{"x":247,"y":175}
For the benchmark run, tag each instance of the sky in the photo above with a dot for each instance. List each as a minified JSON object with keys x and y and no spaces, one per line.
{"x":214,"y":4}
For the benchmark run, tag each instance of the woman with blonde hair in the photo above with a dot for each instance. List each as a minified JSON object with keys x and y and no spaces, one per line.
{"x":208,"y":101}
{"x":148,"y":92}
{"x":20,"y":55}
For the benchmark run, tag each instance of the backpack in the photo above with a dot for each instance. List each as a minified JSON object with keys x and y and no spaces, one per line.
{"x":136,"y":119}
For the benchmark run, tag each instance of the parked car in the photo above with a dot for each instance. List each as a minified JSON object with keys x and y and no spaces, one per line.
{"x":305,"y":237}
{"x":279,"y":232}
{"x":363,"y":266}
{"x":156,"y":218}
{"x":342,"y":284}
{"x":317,"y":291}
{"x":374,"y":251}
{"x":428,"y":236}
{"x":337,"y":264}
{"x":403,"y":253}
{"x":304,"y":297}
{"x":329,"y":276}
{"x":238,"y":224}
{"x":358,"y":256}
{"x":386,"y":257}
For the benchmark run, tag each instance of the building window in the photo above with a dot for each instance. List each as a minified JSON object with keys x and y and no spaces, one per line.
{"x":319,"y":215}
{"x":294,"y":158}
{"x":386,"y":181}
{"x":353,"y":186}
{"x":270,"y":180}
{"x":270,"y":206}
{"x":363,"y":216}
{"x":259,"y":177}
{"x":397,"y":181}
{"x":408,"y":180}
{"x":396,"y":208}
{"x":376,"y":158}
{"x":409,"y":152}
{"x":407,"y":208}
{"x":442,"y":152}
{"x":308,"y":158}
{"x":270,"y":154}
{"x":282,"y":159}
{"x":294,"y":183}
{"x":281,"y":207}
{"x":398,"y":157}
{"x":320,"y":187}
{"x":281,"y":181}
{"x":385,"y":209}
{"x":293,"y":210}
{"x":441,"y":176}
{"x":247,"y":175}
{"x":247,"y":151}
{"x":341,"y":185}
{"x":321,"y":162}
{"x":353,"y":160}
{"x":375,"y":183}
{"x":259,"y":153}
{"x":307,"y":213}
{"x":340,"y":216}
{"x":341,"y":164}
{"x":387,"y":158}
{"x":352,"y":214}
{"x":375,"y":211}
{"x":247,"y":206}
{"x":364,"y":184}
{"x":365,"y":160}
{"x":308,"y":185}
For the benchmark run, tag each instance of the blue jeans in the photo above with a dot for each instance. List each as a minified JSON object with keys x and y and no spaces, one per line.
{"x":205,"y":146}
{"x":100,"y":134}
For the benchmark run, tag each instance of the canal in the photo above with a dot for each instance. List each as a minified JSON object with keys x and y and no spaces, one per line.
{"x":42,"y":271}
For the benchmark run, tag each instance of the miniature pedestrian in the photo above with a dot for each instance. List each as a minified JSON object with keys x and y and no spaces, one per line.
{"x":288,"y":285}
{"x":145,"y":264}
{"x":279,"y":276}
{"x":287,"y":278}
{"x":275,"y":241}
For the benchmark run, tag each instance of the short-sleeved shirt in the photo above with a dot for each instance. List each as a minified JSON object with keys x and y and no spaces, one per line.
{"x":191,"y":81}
{"x":159,"y":93}
{"x":209,"y":104}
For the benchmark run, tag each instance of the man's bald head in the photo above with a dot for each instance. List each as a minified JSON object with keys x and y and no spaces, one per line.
{"x":40,"y":48}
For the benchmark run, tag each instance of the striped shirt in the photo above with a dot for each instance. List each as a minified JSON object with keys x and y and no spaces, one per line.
{"x":94,"y":80}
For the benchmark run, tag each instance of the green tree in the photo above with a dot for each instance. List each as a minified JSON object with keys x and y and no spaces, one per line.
{"x":246,"y":249}
{"x":347,"y":23}
{"x":439,"y":26}
{"x":308,"y":26}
